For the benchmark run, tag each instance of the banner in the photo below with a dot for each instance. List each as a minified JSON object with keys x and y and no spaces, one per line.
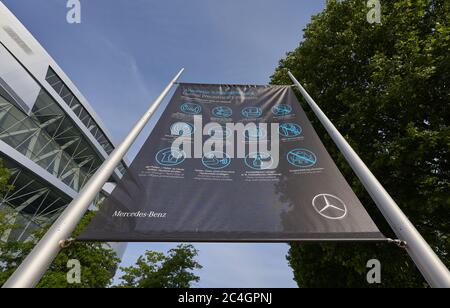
{"x":232,"y":163}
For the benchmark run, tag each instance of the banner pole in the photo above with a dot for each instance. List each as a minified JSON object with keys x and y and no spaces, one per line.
{"x":38,"y":261}
{"x":429,"y":264}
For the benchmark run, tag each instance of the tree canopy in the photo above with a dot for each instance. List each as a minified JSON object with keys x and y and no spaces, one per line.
{"x":156,"y":270}
{"x":386,"y":87}
{"x":98,"y":261}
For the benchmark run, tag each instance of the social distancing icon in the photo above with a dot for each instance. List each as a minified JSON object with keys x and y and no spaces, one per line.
{"x":170,"y":157}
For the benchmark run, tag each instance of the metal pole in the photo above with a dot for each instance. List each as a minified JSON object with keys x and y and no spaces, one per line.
{"x":38,"y":261}
{"x":429,"y":264}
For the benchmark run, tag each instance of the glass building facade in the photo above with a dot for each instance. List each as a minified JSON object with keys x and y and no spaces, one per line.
{"x":50,"y":138}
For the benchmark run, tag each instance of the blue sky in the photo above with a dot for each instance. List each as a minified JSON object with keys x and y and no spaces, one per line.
{"x":124,"y":53}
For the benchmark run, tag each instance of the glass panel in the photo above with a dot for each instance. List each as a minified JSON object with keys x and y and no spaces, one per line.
{"x":16,"y":81}
{"x":59,"y":153}
{"x":79,"y":110}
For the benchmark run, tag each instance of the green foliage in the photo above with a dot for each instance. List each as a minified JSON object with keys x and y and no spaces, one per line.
{"x":5,"y":175}
{"x":5,"y":224}
{"x":98,"y":262}
{"x":386,"y":88}
{"x":157,"y":270}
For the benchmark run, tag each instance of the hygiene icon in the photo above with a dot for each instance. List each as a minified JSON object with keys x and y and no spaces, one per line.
{"x":216,"y":160}
{"x":222,"y":112}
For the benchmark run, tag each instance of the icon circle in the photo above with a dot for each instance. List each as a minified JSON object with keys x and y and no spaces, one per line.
{"x":252,"y":112}
{"x":302,"y":158}
{"x":216,"y":160}
{"x":281,"y":110}
{"x":290,"y":130}
{"x":255,"y":133}
{"x":219,"y":132}
{"x":222,"y":112}
{"x":170,"y":157}
{"x":191,"y":108}
{"x":182,"y":129}
{"x":259,"y":161}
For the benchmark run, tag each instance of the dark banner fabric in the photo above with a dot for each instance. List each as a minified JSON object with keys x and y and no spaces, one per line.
{"x":288,"y":189}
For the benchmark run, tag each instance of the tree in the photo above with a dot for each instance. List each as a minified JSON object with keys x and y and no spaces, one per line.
{"x":98,"y":261}
{"x":386,"y":88}
{"x":5,"y":175}
{"x":157,"y":270}
{"x":5,"y":224}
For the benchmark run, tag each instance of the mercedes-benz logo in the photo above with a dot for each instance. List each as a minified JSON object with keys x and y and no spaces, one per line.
{"x":329,"y":206}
